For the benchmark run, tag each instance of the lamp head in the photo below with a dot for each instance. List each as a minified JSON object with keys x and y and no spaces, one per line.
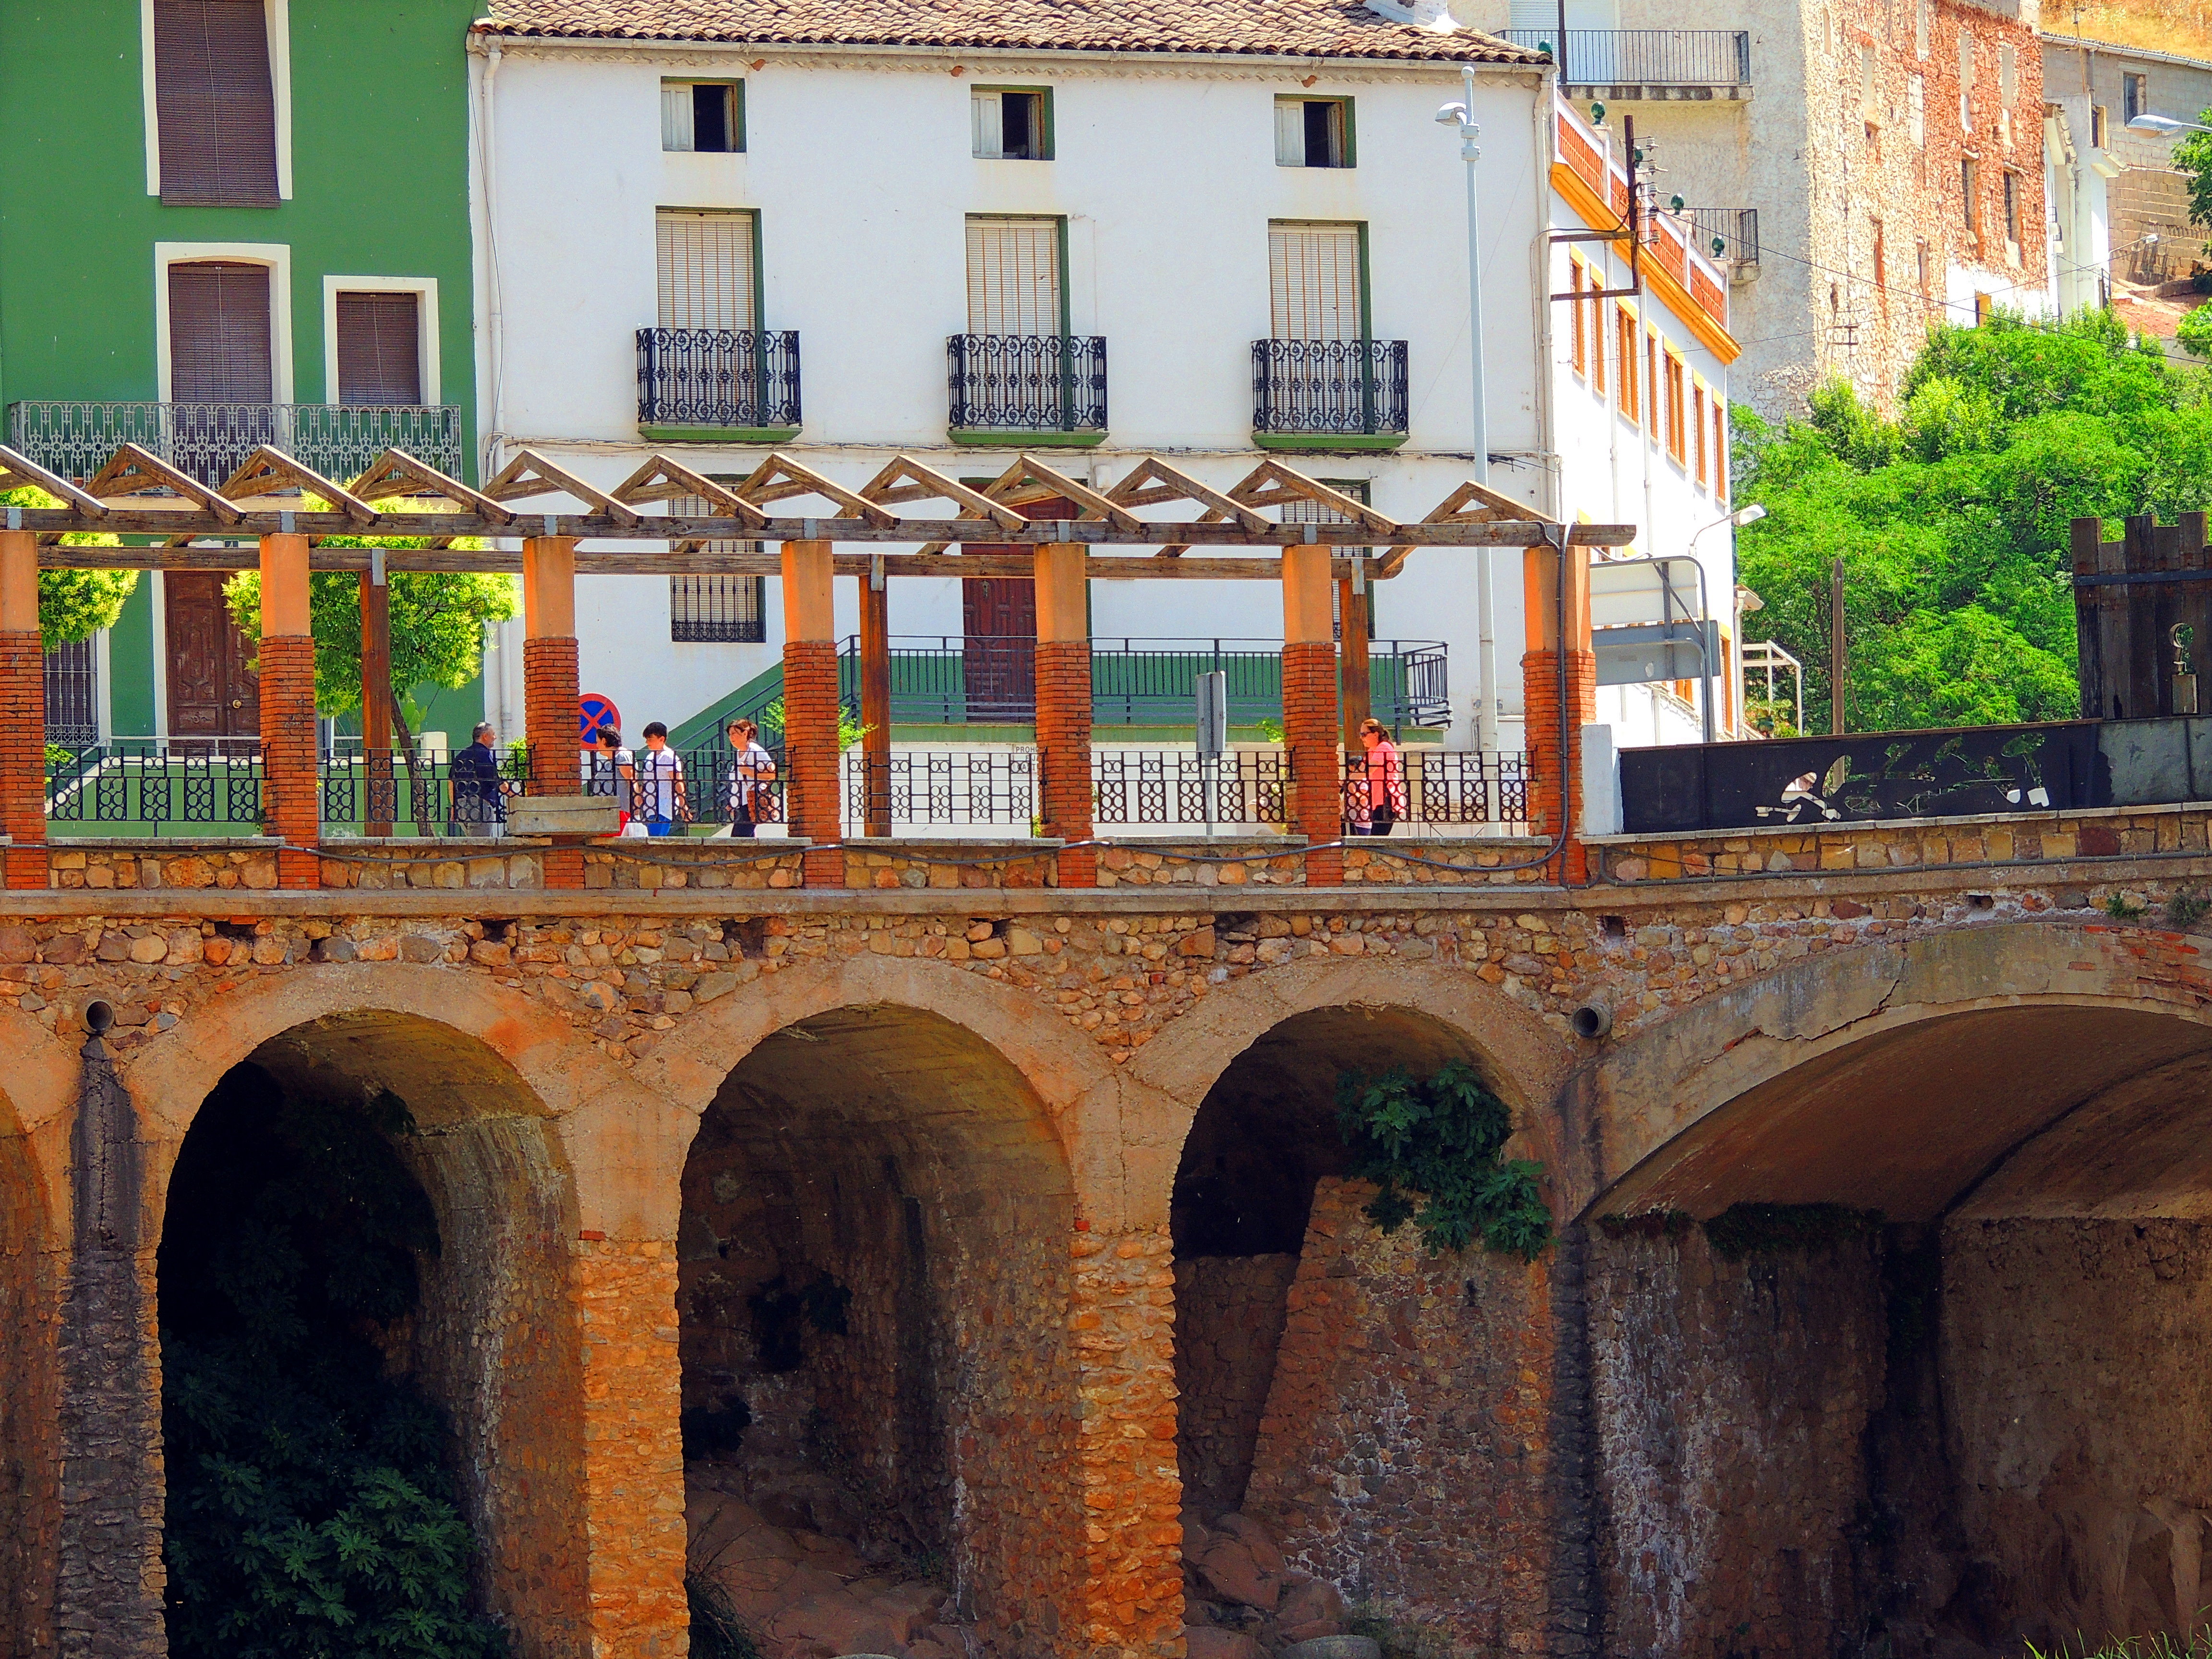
{"x":2163,"y":125}
{"x":1451,"y":115}
{"x":1745,"y":515}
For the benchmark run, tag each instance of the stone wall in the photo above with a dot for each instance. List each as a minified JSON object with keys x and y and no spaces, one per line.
{"x":1229,"y":1319}
{"x":31,"y":1273}
{"x":1731,"y":1400}
{"x":1403,"y":1455}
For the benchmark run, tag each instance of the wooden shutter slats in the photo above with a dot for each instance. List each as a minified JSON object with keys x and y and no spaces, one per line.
{"x":380,"y":349}
{"x":706,"y":269}
{"x":1313,"y":279}
{"x":1013,"y":277}
{"x":215,"y":102}
{"x":219,"y":351}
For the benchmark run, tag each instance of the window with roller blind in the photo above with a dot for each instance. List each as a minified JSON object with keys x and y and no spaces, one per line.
{"x":219,"y":334}
{"x":1317,"y":282}
{"x":379,"y":347}
{"x":1015,"y":276}
{"x":708,"y":270}
{"x":214,"y":103}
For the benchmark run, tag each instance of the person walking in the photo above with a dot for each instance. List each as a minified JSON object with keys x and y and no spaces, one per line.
{"x":658,"y":787}
{"x":1376,"y":794}
{"x":752,"y":802}
{"x":612,"y":773}
{"x":479,"y":792}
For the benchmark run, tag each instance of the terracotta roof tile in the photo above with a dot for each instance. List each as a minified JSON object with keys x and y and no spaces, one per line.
{"x":1302,"y":28}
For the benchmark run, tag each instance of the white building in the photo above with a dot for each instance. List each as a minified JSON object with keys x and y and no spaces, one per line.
{"x":1189,"y":187}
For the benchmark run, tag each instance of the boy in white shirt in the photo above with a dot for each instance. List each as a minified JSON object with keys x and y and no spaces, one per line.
{"x":659,"y":783}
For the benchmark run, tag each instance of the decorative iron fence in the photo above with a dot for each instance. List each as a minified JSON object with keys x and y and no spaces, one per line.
{"x":1245,"y":787}
{"x":717,"y":377}
{"x":392,"y":793}
{"x":72,"y":676}
{"x":1355,"y":387}
{"x":1436,"y":786}
{"x":149,"y":786}
{"x":210,"y":441}
{"x":1020,"y":383}
{"x":1734,"y":229}
{"x":1646,"y":58}
{"x":935,"y":787}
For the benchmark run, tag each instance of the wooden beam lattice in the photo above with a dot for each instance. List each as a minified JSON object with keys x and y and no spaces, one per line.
{"x":1471,"y":503}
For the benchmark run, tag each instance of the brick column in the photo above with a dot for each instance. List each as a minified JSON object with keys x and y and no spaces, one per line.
{"x":1063,"y":705}
{"x":1309,"y":709}
{"x":809,"y":707}
{"x":550,"y":691}
{"x":1555,"y":756}
{"x":292,"y":797}
{"x":23,"y":690}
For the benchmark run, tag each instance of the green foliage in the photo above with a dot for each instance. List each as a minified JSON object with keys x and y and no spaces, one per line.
{"x":717,"y":1632}
{"x":2194,"y":331}
{"x":438,"y":621}
{"x":310,"y":1515}
{"x":1438,"y":1140}
{"x":1748,"y":1230}
{"x":75,"y":604}
{"x":2192,"y":160}
{"x":1952,"y":520}
{"x":2196,"y":1644}
{"x":849,"y":729}
{"x":2184,"y":910}
{"x":2122,"y":906}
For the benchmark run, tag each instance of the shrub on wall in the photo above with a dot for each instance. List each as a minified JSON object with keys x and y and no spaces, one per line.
{"x":1432,"y":1146}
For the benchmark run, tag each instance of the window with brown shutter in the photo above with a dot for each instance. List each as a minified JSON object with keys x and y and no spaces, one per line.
{"x":215,"y":103}
{"x":219,"y":351}
{"x":379,"y":347}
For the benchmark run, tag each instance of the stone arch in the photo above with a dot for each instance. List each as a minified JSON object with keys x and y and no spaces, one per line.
{"x":538,"y":1157}
{"x":1944,"y":1378}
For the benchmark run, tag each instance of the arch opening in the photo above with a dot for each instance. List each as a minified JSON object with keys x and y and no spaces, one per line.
{"x":31,"y":1280}
{"x":878,"y":1390}
{"x":1931,"y":1377}
{"x":364,"y":1297}
{"x":1329,"y":1437}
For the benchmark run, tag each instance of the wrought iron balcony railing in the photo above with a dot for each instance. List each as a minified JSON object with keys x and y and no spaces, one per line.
{"x":208,"y":441}
{"x":1345,"y":387}
{"x":1022,"y":383}
{"x":726,"y":378}
{"x":1646,"y":58}
{"x":1734,"y":229}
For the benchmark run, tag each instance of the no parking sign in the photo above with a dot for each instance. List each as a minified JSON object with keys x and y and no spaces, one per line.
{"x":596,"y":711}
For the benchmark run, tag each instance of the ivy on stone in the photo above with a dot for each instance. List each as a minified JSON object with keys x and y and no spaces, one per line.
{"x":1432,"y":1148}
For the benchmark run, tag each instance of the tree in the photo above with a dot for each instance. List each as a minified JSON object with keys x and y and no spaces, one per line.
{"x":75,"y":604}
{"x":1952,"y":520}
{"x":2192,"y":159}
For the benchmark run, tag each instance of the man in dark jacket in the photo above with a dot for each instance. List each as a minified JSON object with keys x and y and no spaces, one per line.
{"x":479,"y":792}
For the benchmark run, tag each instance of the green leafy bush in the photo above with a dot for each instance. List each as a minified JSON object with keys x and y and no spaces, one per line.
{"x":1439,"y":1140}
{"x":310,"y":1512}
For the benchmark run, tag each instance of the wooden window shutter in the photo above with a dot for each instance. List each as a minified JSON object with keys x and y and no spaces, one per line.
{"x":677,"y":120}
{"x":707,"y":277}
{"x":219,"y":334}
{"x":1312,"y":282}
{"x":214,"y":103}
{"x":1290,"y":132}
{"x":1013,"y":277}
{"x":990,"y":114}
{"x":380,"y":349}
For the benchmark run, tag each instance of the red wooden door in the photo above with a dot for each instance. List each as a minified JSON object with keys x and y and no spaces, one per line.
{"x":998,"y":620}
{"x":212,"y":692}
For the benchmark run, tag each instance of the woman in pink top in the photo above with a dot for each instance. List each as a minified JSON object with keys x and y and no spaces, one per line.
{"x":1378,"y":790}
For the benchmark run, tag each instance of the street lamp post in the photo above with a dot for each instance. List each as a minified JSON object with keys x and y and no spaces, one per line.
{"x":1462,"y":115}
{"x":1737,"y":519}
{"x":2163,"y":126}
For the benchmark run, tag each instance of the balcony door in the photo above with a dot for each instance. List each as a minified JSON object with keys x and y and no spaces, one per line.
{"x":1014,"y":279}
{"x":212,"y":691}
{"x":221,"y":367}
{"x":709,"y":274}
{"x":1314,"y":282}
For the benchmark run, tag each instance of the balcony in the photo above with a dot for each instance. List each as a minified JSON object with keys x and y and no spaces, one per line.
{"x":1328,"y":394}
{"x":717,"y":384}
{"x":1728,"y":236}
{"x":1659,"y":63}
{"x":210,"y":441}
{"x":1046,"y":390}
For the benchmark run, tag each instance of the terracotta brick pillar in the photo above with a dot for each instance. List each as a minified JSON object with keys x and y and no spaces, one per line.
{"x":550,"y":691}
{"x":809,"y":707}
{"x":23,"y":693}
{"x":292,"y":797}
{"x":1063,"y":705}
{"x":1555,"y":756}
{"x":1309,"y":709}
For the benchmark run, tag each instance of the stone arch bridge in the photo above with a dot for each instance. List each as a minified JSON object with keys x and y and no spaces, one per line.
{"x":1069,"y":1153}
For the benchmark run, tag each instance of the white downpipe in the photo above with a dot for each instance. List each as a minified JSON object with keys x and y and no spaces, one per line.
{"x":495,"y":311}
{"x":1485,"y":713}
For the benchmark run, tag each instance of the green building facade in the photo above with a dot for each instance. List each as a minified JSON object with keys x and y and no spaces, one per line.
{"x":225,"y":222}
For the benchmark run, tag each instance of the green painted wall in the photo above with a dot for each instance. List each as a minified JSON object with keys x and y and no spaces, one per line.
{"x":379,"y":188}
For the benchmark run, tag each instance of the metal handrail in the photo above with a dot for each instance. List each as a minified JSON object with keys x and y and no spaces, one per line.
{"x":210,"y":441}
{"x":1736,"y":230}
{"x":1025,"y":383}
{"x":1648,"y":57}
{"x":1347,"y":387}
{"x":718,"y":377}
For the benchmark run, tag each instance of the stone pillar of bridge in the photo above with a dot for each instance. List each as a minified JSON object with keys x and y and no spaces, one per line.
{"x":1310,"y":731}
{"x":23,"y":734}
{"x":810,"y":709}
{"x":1063,"y":705}
{"x":550,"y":691}
{"x":292,"y":795}
{"x":1554,"y":744}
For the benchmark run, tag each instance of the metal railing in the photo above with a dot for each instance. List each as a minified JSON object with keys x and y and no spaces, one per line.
{"x":1241,"y":788}
{"x":151,"y":784}
{"x":952,"y":679}
{"x":1735,"y":230}
{"x":1646,"y":58}
{"x":210,"y":441}
{"x":717,"y":377}
{"x":389,"y":794}
{"x":1344,"y":387}
{"x":1022,"y":383}
{"x":1436,"y":786}
{"x":938,"y":788}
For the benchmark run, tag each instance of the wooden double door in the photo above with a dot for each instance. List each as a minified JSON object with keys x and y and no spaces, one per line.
{"x":998,"y":625}
{"x":213,"y":692}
